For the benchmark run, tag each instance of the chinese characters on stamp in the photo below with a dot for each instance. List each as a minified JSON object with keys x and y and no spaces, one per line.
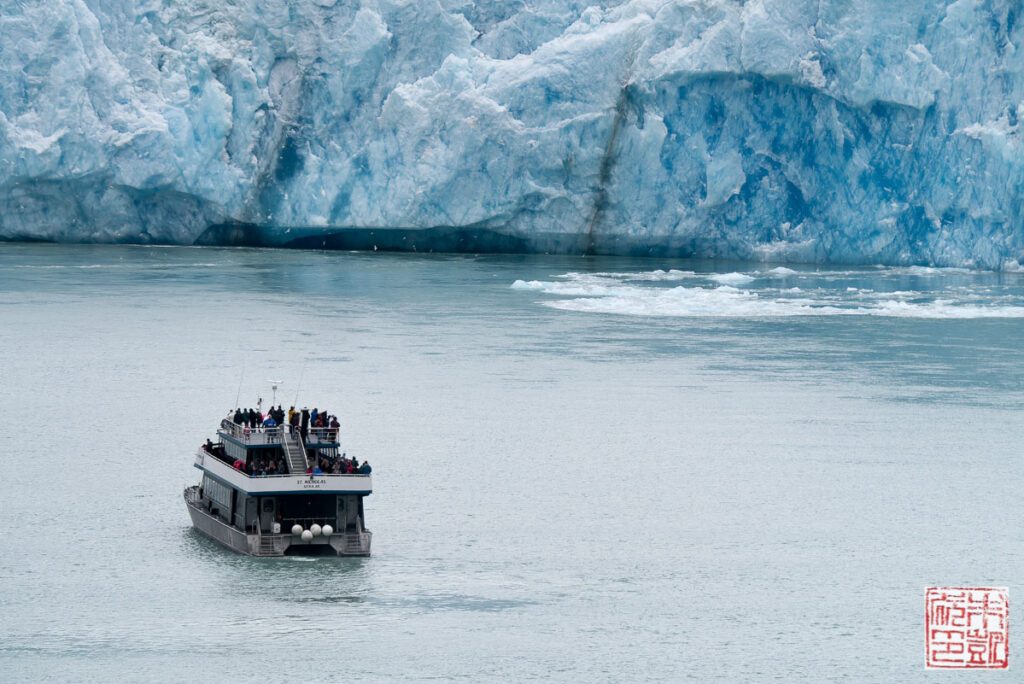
{"x":967,"y":627}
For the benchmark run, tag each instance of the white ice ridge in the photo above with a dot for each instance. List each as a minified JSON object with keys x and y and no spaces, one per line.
{"x":843,"y":131}
{"x":628,"y":294}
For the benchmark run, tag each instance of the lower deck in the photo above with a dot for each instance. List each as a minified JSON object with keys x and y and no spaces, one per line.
{"x":295,"y":524}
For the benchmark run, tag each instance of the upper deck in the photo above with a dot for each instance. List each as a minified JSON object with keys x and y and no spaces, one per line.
{"x":317,"y":437}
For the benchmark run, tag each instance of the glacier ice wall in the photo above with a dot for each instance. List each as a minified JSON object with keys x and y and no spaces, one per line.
{"x":824,"y":131}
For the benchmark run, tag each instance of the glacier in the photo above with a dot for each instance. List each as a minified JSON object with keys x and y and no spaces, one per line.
{"x":833,"y":131}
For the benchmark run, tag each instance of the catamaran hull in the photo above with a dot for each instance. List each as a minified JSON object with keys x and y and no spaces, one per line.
{"x":344,"y":544}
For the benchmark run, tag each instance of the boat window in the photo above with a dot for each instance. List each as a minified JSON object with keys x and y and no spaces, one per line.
{"x":219,"y":492}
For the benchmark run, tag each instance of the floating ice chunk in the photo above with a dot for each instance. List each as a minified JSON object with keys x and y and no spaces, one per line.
{"x":581,"y":286}
{"x":658,"y":275}
{"x":731,"y":278}
{"x":535,"y":285}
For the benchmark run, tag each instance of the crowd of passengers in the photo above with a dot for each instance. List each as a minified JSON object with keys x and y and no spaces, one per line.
{"x":339,"y":465}
{"x":299,"y":421}
{"x":264,"y":466}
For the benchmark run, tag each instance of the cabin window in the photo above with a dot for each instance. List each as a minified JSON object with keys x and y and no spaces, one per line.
{"x":219,"y":493}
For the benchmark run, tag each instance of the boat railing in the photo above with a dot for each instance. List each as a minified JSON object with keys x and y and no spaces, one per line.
{"x":252,"y":435}
{"x":272,"y":435}
{"x":302,"y":450}
{"x":322,"y":435}
{"x":226,"y":460}
{"x":220,"y":455}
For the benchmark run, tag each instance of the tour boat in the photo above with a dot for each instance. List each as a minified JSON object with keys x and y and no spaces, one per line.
{"x":297,"y":512}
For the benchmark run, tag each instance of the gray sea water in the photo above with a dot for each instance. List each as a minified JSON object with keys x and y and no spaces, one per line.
{"x":584,"y":469}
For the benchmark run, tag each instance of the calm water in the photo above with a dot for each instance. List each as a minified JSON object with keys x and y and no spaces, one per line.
{"x":585,"y":469}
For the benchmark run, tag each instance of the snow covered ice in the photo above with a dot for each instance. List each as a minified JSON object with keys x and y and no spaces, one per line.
{"x":859,"y":131}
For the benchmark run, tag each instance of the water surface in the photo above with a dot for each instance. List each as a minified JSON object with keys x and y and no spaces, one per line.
{"x":585,"y":469}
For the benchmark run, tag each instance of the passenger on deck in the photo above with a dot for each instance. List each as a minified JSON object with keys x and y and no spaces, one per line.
{"x":365,"y":469}
{"x":237,"y":419}
{"x":291,"y":416}
{"x":270,"y":422}
{"x":208,"y":447}
{"x":304,"y":423}
{"x":314,"y":414}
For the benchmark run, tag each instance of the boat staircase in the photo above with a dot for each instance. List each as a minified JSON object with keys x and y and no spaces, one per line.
{"x":294,"y":452}
{"x":267,"y":545}
{"x":353,"y":542}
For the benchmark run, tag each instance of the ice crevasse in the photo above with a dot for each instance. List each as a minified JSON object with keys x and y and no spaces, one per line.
{"x":854,"y":131}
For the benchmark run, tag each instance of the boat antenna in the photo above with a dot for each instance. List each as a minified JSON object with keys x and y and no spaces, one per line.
{"x":241,"y":377}
{"x":301,"y":373}
{"x":274,"y":385}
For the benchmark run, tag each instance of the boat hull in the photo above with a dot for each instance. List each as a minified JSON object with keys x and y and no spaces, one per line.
{"x":343,"y":544}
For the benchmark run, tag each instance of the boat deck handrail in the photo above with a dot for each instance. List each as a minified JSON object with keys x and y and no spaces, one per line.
{"x":205,"y":453}
{"x":324,"y":435}
{"x":244,"y":432}
{"x":272,"y":435}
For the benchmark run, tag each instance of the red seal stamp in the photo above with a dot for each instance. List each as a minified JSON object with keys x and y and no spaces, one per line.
{"x":967,"y":627}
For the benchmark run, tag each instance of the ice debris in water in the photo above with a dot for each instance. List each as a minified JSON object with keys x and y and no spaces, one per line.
{"x":622,"y":295}
{"x":768,"y":129}
{"x":731,"y":278}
